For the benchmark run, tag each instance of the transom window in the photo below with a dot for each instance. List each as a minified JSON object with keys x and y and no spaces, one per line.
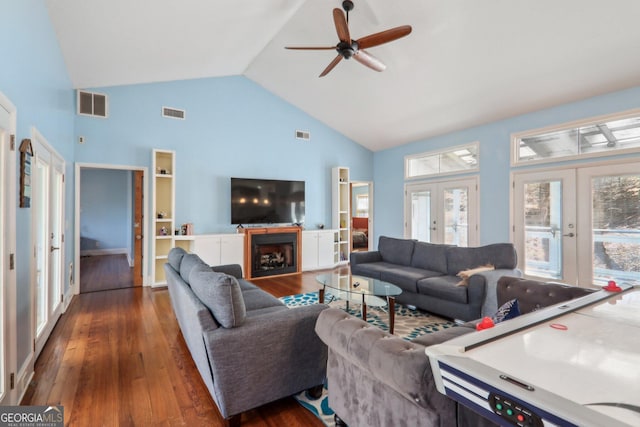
{"x":460,"y":159}
{"x":590,"y":138}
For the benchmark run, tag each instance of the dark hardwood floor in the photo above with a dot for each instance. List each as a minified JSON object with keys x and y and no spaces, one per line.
{"x":104,"y":272}
{"x":118,"y":358}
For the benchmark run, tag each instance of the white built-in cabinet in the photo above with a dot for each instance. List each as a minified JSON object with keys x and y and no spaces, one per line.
{"x":319,"y":249}
{"x":341,"y":211}
{"x":215,"y":249}
{"x":163,"y":202}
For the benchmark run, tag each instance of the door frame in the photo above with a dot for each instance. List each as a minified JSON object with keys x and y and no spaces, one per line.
{"x":145,"y":214}
{"x":473,"y":236}
{"x":54,"y":161}
{"x":8,"y":160}
{"x":582,"y":245}
{"x":568,"y":220}
{"x":371,"y":239}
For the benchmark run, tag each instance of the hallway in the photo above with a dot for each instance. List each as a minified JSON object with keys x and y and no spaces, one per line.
{"x":105,"y":272}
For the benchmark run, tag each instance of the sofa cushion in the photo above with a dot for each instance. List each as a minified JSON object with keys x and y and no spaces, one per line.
{"x":189,"y":261}
{"x":373,"y":269}
{"x":443,"y":287}
{"x":175,"y":257}
{"x":255,"y":299}
{"x":245,"y":286}
{"x":396,"y":251}
{"x":500,"y":255}
{"x":406,"y":278}
{"x":220,"y":293}
{"x":430,"y":256}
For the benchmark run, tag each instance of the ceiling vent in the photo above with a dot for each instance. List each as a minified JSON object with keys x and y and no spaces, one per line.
{"x":92,"y":104}
{"x":304,"y":135}
{"x":173,"y":113}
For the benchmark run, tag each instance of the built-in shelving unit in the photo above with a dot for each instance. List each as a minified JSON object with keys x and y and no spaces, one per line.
{"x":340,"y":212}
{"x":163,"y":203}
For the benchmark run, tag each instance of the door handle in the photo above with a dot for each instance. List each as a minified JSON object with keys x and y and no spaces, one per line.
{"x":138,"y":237}
{"x":569,"y":235}
{"x":53,"y":248}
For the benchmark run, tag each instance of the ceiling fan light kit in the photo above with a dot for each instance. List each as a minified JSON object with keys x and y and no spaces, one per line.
{"x":348,"y":48}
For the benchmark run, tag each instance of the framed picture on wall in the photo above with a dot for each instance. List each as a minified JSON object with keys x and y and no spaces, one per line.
{"x":26,"y":153}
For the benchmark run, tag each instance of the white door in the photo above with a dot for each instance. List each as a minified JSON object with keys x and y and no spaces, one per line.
{"x":545,"y":224}
{"x":609,"y":224}
{"x":443,"y":212}
{"x":8,"y":157}
{"x":579,"y":226}
{"x":48,"y":238}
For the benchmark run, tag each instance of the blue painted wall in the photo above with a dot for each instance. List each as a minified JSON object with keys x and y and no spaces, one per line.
{"x":233,"y":127}
{"x":105,"y":209}
{"x":33,"y":76}
{"x":494,"y":162}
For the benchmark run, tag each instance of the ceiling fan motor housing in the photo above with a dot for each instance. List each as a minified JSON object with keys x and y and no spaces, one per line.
{"x":347,"y":50}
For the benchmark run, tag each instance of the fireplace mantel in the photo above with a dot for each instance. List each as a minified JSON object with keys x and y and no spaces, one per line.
{"x":248,"y":247}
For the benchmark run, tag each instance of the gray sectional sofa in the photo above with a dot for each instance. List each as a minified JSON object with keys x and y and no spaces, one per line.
{"x":427,"y":274}
{"x":249,"y":348}
{"x":376,"y":379}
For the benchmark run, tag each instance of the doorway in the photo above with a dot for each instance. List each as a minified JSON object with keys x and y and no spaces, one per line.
{"x":579,"y":226}
{"x":443,"y":212}
{"x":361,"y":216}
{"x":8,"y":327}
{"x":109,"y":227}
{"x":48,"y":201}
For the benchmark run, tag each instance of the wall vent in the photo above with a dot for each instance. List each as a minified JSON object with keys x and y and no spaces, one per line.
{"x":173,"y":113}
{"x":304,"y":135}
{"x":92,"y":104}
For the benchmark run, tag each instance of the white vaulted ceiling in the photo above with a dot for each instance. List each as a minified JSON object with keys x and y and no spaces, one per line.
{"x":467,"y":62}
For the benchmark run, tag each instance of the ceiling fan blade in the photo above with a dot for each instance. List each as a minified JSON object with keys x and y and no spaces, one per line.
{"x":384,"y":37}
{"x":310,"y":47}
{"x":331,"y":66}
{"x":342,"y":28}
{"x":369,"y":60}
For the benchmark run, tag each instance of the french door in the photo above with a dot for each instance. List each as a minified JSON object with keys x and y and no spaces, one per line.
{"x":442,"y":212}
{"x":579,"y":226}
{"x":48,"y":239}
{"x":8,"y":354}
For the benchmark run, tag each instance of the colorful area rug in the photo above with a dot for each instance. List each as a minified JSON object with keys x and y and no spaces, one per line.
{"x":408,"y":325}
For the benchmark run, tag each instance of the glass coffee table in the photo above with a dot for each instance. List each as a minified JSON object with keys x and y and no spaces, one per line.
{"x":360,"y":290}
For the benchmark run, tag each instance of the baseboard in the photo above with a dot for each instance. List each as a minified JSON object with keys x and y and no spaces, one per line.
{"x":25,"y":375}
{"x":97,"y":252}
{"x":68,"y":297}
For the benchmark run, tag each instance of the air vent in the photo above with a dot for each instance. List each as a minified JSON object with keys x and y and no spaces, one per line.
{"x":304,"y":135}
{"x":173,"y":113}
{"x":92,"y":104}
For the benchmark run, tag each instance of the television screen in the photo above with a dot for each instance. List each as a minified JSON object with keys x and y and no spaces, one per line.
{"x":266,"y":201}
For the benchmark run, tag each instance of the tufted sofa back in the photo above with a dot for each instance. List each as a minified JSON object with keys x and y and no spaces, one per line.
{"x":533,"y":294}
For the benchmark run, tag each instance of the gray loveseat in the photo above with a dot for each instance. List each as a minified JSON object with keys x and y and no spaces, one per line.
{"x":427,"y":274}
{"x":376,"y":379}
{"x":249,"y":348}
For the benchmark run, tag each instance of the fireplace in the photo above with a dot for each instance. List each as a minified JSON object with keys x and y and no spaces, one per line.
{"x":272,"y":251}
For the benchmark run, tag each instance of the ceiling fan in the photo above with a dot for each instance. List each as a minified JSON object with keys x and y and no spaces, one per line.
{"x":348,"y":48}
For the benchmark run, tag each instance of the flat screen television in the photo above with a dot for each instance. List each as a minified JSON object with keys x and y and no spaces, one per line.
{"x":266,"y":201}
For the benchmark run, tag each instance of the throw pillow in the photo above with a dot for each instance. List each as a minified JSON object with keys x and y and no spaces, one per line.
{"x":465,"y":274}
{"x":221,"y":294}
{"x":508,"y":310}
